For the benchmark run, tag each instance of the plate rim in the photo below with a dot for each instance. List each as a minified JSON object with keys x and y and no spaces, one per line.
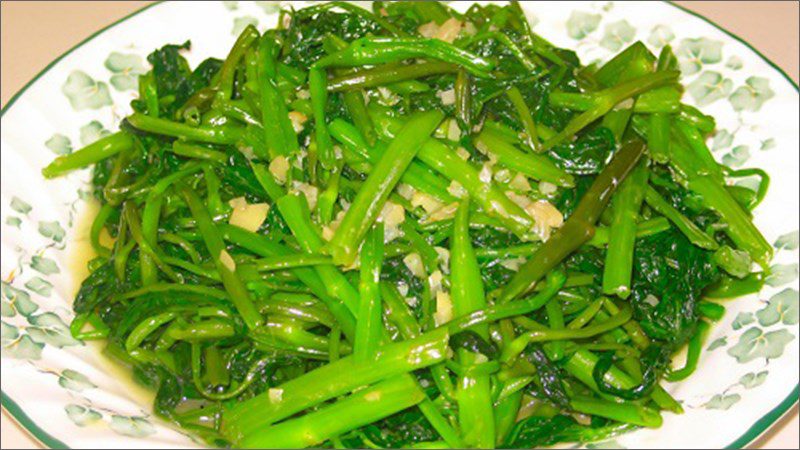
{"x":760,"y":427}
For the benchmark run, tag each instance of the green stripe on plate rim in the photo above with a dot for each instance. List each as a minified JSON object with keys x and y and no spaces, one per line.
{"x":754,"y":432}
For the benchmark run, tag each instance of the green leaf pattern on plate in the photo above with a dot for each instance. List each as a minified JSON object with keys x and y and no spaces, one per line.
{"x":240,"y":23}
{"x":44,"y":265}
{"x":20,"y":206}
{"x":693,"y":53}
{"x":52,"y":230}
{"x":768,"y":144}
{"x":92,"y":131}
{"x":782,"y":274}
{"x":21,"y":346}
{"x":131,"y":426}
{"x":580,"y":24}
{"x":751,"y":380}
{"x":59,"y":144}
{"x":49,"y":329}
{"x":40,"y":286}
{"x":722,"y":139}
{"x":717,"y":343}
{"x":751,"y":95}
{"x":743,"y":319}
{"x":709,"y":87}
{"x":722,"y":402}
{"x":74,"y":381}
{"x":17,"y":301}
{"x":271,"y":7}
{"x":660,"y":36}
{"x":754,"y":344}
{"x":781,"y":308}
{"x":788,"y":241}
{"x":734,"y":63}
{"x":81,"y":415}
{"x":737,"y":156}
{"x":126,"y":69}
{"x":617,"y":34}
{"x":83,"y":92}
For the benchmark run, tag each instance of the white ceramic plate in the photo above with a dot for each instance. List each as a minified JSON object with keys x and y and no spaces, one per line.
{"x":63,"y":392}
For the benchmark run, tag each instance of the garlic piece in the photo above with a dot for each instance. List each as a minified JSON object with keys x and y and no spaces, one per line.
{"x":414,"y":263}
{"x":444,"y":309}
{"x":227,"y":260}
{"x":298,"y":120}
{"x":279,"y":167}
{"x":247,"y":216}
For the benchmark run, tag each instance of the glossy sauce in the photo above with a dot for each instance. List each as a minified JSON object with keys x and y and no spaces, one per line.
{"x":79,"y":253}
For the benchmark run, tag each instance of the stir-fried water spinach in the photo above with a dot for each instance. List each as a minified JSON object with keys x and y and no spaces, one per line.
{"x":410,"y":227}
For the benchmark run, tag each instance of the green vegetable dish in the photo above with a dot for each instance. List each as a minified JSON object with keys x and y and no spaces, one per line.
{"x":411,"y":227}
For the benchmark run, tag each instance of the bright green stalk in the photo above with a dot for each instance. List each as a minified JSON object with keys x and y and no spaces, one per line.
{"x":617,"y":120}
{"x":327,"y":199}
{"x":555,"y":281}
{"x":377,"y":50}
{"x":353,"y":99}
{"x":440,"y":424}
{"x":92,"y":153}
{"x":740,"y":228}
{"x":267,"y":181}
{"x":582,"y":362}
{"x":586,"y":315}
{"x":465,"y":276}
{"x":278,"y":132}
{"x":387,"y":74}
{"x":549,"y":334}
{"x":473,"y":392}
{"x":606,"y":99}
{"x":198,"y":152}
{"x":538,"y":167}
{"x":658,"y":137}
{"x":505,"y":415}
{"x":692,"y":354}
{"x":98,"y":224}
{"x":643,"y":229}
{"x":284,"y":262}
{"x":223,"y":261}
{"x":263,"y":246}
{"x":621,"y":412}
{"x":327,"y":382}
{"x":525,"y":117}
{"x":224,"y":134}
{"x":555,"y":318}
{"x":475,"y":411}
{"x":580,"y":225}
{"x":356,"y":410}
{"x":369,"y":326}
{"x":227,"y":72}
{"x":442,"y":159}
{"x":625,"y":205}
{"x":662,"y":100}
{"x":463,"y":92}
{"x":149,"y":92}
{"x":294,"y":210}
{"x":695,"y":235}
{"x":417,"y":175}
{"x":376,"y":189}
{"x":701,"y":155}
{"x":292,"y":332}
{"x":317,"y":78}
